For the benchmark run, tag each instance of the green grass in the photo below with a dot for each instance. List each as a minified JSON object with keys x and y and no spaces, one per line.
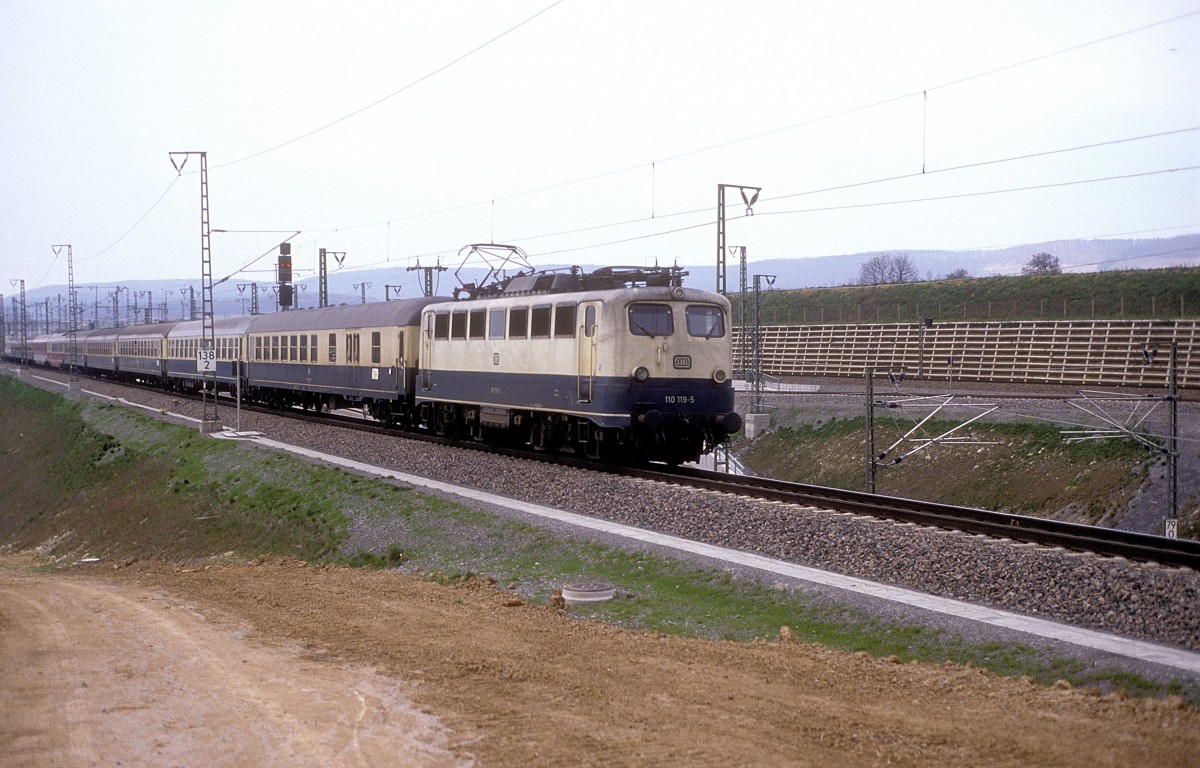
{"x":142,"y":488}
{"x":1132,"y":294}
{"x":1093,"y":479}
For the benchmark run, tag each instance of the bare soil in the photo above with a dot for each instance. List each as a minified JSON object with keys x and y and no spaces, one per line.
{"x":276,"y":662}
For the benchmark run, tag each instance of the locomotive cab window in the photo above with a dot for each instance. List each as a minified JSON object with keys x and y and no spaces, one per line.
{"x":651,"y":320}
{"x":706,"y":321}
{"x":458,"y":325}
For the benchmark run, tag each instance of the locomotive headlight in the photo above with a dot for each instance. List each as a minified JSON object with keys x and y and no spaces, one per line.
{"x":719,"y":376}
{"x":641,"y":373}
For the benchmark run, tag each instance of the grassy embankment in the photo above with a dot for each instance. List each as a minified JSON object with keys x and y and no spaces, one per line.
{"x":1160,"y":294}
{"x":86,"y":479}
{"x":1020,"y":468}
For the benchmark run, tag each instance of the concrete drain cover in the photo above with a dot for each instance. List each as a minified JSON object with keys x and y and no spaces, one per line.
{"x":588,"y":592}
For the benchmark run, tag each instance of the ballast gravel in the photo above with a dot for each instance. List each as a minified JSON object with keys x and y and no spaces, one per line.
{"x":1139,"y":600}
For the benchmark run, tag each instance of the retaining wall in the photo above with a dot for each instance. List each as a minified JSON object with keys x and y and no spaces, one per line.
{"x":1108,"y":352}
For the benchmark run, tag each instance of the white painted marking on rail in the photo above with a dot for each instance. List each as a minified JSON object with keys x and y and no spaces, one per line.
{"x":1136,"y":649}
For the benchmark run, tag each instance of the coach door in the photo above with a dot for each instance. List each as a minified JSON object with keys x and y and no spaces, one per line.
{"x":586,"y":359}
{"x":427,"y":352}
{"x":401,"y":373}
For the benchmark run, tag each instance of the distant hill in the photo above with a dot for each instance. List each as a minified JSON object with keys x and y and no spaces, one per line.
{"x":1075,"y":256}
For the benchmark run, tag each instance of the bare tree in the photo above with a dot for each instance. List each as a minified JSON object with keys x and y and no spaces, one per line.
{"x":958,"y":274}
{"x":1042,"y":264}
{"x":903,"y":269}
{"x":873,"y":271}
{"x":887,"y":268}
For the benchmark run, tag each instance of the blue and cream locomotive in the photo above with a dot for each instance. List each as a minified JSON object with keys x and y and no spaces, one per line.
{"x":623,"y":362}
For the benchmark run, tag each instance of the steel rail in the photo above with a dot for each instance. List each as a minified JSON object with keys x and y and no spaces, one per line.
{"x":1023,"y":528}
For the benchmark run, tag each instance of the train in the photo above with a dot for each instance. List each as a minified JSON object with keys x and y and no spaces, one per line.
{"x":621,"y":364}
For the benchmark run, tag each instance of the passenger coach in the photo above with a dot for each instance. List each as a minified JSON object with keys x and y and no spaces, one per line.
{"x":331,"y":357}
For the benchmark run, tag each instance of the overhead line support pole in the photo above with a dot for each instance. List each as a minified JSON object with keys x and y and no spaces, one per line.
{"x":73,"y":381}
{"x":209,"y":422}
{"x":749,"y":200}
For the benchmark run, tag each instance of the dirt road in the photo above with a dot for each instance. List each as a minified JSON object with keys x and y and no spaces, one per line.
{"x":279,"y":663}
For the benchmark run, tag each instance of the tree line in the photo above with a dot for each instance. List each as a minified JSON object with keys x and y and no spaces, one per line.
{"x":890,"y":268}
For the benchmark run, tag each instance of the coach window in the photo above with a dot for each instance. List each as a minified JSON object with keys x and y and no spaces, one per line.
{"x":475,"y":326}
{"x":441,"y":325}
{"x":333,"y":347}
{"x":295,"y":349}
{"x":375,"y":351}
{"x":312,"y":347}
{"x":539,"y":325}
{"x":705,"y":321}
{"x":458,"y":325}
{"x":496,"y":323}
{"x":304,"y":349}
{"x":518,"y":322}
{"x":651,"y":320}
{"x":564,"y":320}
{"x":274,"y":348}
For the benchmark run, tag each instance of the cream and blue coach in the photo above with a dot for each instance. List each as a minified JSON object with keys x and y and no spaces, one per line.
{"x":627,"y":362}
{"x":185,"y":341}
{"x":331,"y":357}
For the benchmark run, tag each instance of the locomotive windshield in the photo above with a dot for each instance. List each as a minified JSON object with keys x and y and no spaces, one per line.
{"x":706,"y":321}
{"x":651,"y":320}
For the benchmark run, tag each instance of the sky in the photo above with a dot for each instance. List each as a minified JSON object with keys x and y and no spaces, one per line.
{"x":583,"y":132}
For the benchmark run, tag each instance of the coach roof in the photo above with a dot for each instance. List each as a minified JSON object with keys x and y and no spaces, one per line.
{"x":405,"y":312}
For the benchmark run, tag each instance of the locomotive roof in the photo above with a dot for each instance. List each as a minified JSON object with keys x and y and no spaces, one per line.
{"x":574,"y":281}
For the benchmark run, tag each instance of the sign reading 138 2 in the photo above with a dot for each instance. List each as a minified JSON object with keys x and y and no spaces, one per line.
{"x":206,"y":361}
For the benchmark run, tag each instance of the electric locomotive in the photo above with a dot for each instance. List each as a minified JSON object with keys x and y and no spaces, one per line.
{"x":622,"y":363}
